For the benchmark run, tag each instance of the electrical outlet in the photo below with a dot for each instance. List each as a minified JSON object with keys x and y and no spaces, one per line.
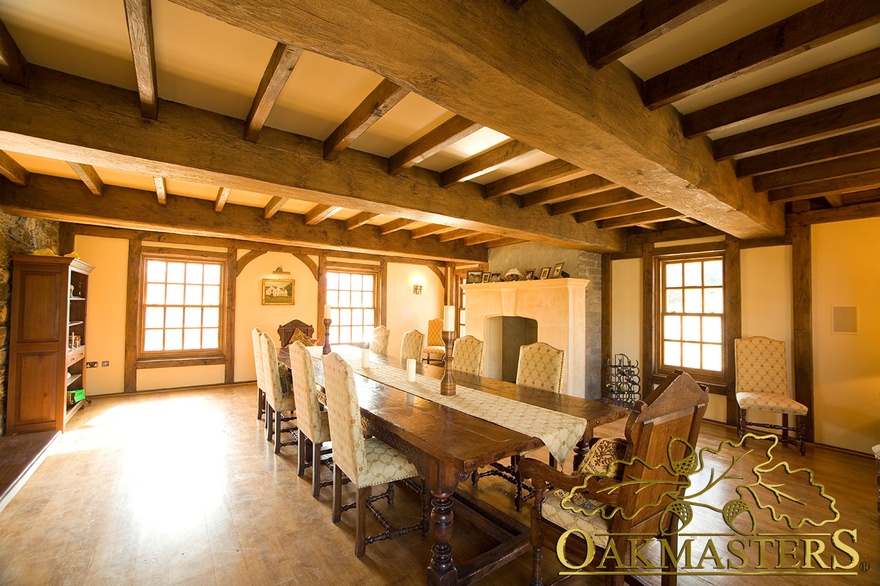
{"x":105,"y":363}
{"x":91,"y":364}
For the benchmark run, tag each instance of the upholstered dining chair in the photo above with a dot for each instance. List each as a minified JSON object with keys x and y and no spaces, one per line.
{"x":279,"y":394}
{"x":365,"y":461}
{"x":411,"y":347}
{"x":258,"y":366}
{"x":311,"y":419}
{"x":467,"y":355}
{"x":540,"y":367}
{"x":762,"y":385}
{"x":379,"y":343}
{"x":435,"y":349}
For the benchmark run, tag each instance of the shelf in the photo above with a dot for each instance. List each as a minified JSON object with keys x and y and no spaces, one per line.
{"x":75,"y":323}
{"x":72,"y":410}
{"x":73,"y":378}
{"x":77,"y":298}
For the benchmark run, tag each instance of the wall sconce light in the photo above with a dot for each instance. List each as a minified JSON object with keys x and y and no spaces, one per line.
{"x":280,"y":271}
{"x":417,"y":287}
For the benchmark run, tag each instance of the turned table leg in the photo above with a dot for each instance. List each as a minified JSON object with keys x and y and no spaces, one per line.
{"x":441,"y":569}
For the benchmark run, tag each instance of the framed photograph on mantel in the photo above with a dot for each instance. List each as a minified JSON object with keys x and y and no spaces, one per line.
{"x":486,"y":276}
{"x":277,"y":292}
{"x":474,"y":277}
{"x":545,"y":273}
{"x":530,"y":274}
{"x":557,"y":270}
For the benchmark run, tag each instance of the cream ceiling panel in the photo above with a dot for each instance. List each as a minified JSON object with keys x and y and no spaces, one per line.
{"x":409,"y":120}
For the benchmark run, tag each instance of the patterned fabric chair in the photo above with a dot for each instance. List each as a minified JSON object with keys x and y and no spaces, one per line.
{"x":762,"y":385}
{"x":467,"y":355}
{"x":435,"y":349}
{"x":279,"y":394}
{"x":314,"y":427}
{"x":540,"y":367}
{"x":411,"y":347}
{"x":258,"y":365}
{"x":379,"y":344}
{"x":365,"y":461}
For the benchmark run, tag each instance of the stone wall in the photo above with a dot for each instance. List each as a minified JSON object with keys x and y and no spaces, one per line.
{"x":17,"y":236}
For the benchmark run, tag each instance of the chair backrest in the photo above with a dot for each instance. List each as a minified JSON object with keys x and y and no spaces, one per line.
{"x":379,"y":344}
{"x":305,"y":392}
{"x":467,"y":355}
{"x":760,"y":366}
{"x":276,"y":376}
{"x":411,"y":347}
{"x":344,"y":414}
{"x":258,"y":358}
{"x":435,"y":332}
{"x":540,"y":366}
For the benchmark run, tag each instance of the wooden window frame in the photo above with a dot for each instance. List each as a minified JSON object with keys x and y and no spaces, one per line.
{"x":372,"y":270}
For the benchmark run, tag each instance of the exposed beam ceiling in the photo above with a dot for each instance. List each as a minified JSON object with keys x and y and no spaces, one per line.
{"x":138,"y":14}
{"x":89,"y":176}
{"x":13,"y":65}
{"x":13,"y":171}
{"x":278,"y":70}
{"x":385,"y":96}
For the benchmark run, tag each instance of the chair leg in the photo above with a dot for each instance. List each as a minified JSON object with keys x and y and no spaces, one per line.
{"x":741,"y":428}
{"x":360,"y":537}
{"x":261,"y":403}
{"x":278,"y":416}
{"x":670,"y":577}
{"x":316,"y":468}
{"x":475,"y":477}
{"x":301,"y":454}
{"x":270,"y":429}
{"x":518,"y":497}
{"x":337,"y":493}
{"x":801,"y":431}
{"x":536,"y":539}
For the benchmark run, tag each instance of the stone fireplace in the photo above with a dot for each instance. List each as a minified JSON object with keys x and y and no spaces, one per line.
{"x":557,"y":305}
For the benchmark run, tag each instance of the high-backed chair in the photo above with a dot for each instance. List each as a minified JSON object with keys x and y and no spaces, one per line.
{"x":467,"y":355}
{"x":540,"y":367}
{"x":762,"y":385}
{"x":411,"y":347}
{"x":258,"y":366}
{"x":279,"y":394}
{"x":379,"y":344}
{"x":365,"y":461}
{"x":654,"y":433}
{"x":435,"y":349}
{"x":311,"y":419}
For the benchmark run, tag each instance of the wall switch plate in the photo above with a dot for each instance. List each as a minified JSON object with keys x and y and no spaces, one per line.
{"x":91,"y":364}
{"x":105,"y":363}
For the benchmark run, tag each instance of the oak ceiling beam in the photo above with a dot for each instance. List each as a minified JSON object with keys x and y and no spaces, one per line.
{"x":430,"y":230}
{"x":276,"y":74}
{"x":817,"y":171}
{"x":617,"y":210}
{"x":220,"y":200}
{"x":443,"y":50}
{"x":450,"y":132}
{"x":593,"y":201}
{"x":455,"y":235}
{"x":13,"y":65}
{"x":644,"y":218}
{"x":639,"y":25}
{"x":12,"y":170}
{"x":384,"y":96}
{"x":89,"y":176}
{"x":273,"y":206}
{"x":860,"y":196}
{"x":161,"y":190}
{"x":549,"y":171}
{"x":815,"y":26}
{"x":567,"y":190}
{"x":139,"y":17}
{"x":359,"y":220}
{"x":826,"y":82}
{"x":841,"y":214}
{"x":503,"y":154}
{"x":62,"y":200}
{"x":835,"y":199}
{"x":503,"y":242}
{"x":394,"y":226}
{"x":65,"y":117}
{"x":481,"y":239}
{"x":319,"y":213}
{"x":825,"y":187}
{"x":811,"y":152}
{"x":824,"y":123}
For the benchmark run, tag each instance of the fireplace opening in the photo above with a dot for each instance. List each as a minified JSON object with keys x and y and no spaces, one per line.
{"x":504,"y":335}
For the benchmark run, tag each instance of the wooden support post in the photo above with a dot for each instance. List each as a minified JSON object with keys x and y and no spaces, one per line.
{"x":802,"y":321}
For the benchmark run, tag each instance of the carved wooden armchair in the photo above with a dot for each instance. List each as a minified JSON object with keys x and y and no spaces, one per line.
{"x":656,"y":432}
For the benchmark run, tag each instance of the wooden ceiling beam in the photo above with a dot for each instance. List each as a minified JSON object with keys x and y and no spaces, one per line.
{"x":810,"y":28}
{"x":593,"y":201}
{"x":455,"y":235}
{"x":503,"y":242}
{"x":394,"y":226}
{"x":827,"y":186}
{"x":811,"y":152}
{"x":319,"y":213}
{"x":62,"y":200}
{"x":276,"y":74}
{"x":841,"y":214}
{"x":639,"y":25}
{"x":139,"y":17}
{"x":12,"y":170}
{"x":817,"y":171}
{"x":161,"y":190}
{"x":359,"y":220}
{"x":481,"y":239}
{"x":567,"y":190}
{"x":450,"y":132}
{"x":384,"y":96}
{"x":220,"y":200}
{"x":860,"y":196}
{"x":273,"y":206}
{"x":430,"y":230}
{"x":549,"y":171}
{"x":835,"y":200}
{"x":826,"y":82}
{"x":89,"y":176}
{"x":13,"y":65}
{"x":617,"y":210}
{"x":644,"y":218}
{"x":503,"y":154}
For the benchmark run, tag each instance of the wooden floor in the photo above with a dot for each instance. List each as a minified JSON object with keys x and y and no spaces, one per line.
{"x":181,"y":487}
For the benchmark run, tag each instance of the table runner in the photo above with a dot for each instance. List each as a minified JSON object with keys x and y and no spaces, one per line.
{"x":559,"y":431}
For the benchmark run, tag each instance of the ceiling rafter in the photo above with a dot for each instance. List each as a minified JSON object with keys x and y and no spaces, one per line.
{"x":506,"y":241}
{"x":430,"y":230}
{"x":644,"y":218}
{"x":319,"y":213}
{"x":161,"y":190}
{"x":12,"y":170}
{"x":812,"y":189}
{"x":562,"y":191}
{"x":273,"y":206}
{"x":450,"y":132}
{"x":278,"y":70}
{"x":593,"y":201}
{"x":139,"y":17}
{"x":817,"y":171}
{"x":384,"y":96}
{"x":617,"y":210}
{"x":455,"y":235}
{"x":13,"y":65}
{"x":481,"y":239}
{"x":808,"y":29}
{"x":89,"y":176}
{"x":394,"y":226}
{"x":359,"y":220}
{"x":503,"y":154}
{"x":220,"y":200}
{"x":549,"y":171}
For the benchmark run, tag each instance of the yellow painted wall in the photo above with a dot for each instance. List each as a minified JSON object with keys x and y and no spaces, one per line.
{"x":846,"y":272}
{"x":407,"y":311}
{"x":626,"y":307}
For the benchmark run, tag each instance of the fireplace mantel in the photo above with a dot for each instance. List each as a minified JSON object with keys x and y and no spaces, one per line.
{"x":559,"y":307}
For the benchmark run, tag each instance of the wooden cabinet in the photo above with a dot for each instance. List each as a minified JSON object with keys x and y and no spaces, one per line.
{"x":47,"y":332}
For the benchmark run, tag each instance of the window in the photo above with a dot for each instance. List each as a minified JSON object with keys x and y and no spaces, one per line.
{"x":353,"y":307}
{"x":182,"y":307}
{"x":461,"y":306}
{"x":691,"y":315}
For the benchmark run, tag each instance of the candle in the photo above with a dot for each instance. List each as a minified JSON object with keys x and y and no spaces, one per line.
{"x":365,"y":358}
{"x":411,"y":370}
{"x":448,"y":318}
{"x":326,"y":312}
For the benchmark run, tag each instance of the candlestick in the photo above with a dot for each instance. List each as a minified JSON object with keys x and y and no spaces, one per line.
{"x":447,"y":383}
{"x":365,"y":358}
{"x":411,"y":370}
{"x":326,"y":349}
{"x":448,"y":318}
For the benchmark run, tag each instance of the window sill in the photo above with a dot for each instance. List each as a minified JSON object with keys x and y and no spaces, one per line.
{"x":176,"y":362}
{"x":715,"y":387}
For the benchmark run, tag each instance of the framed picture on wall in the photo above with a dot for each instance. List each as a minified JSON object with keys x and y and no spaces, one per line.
{"x":474,"y":277}
{"x":277,"y":292}
{"x":545,"y":273}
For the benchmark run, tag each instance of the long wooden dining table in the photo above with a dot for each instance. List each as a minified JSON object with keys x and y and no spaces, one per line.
{"x":447,"y":445}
